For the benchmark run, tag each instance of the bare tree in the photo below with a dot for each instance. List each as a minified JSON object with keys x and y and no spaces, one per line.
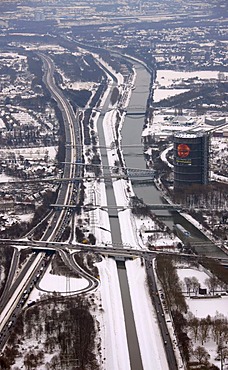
{"x":222,"y":352}
{"x":194,"y":324}
{"x":212,"y":283}
{"x":204,"y":328}
{"x":219,"y":328}
{"x":201,"y":355}
{"x":188,"y":284}
{"x":195,"y":284}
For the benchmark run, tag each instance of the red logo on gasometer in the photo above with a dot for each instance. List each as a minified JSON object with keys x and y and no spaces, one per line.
{"x":183,"y":150}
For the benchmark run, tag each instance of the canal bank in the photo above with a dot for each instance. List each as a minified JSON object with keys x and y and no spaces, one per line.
{"x":132,"y":339}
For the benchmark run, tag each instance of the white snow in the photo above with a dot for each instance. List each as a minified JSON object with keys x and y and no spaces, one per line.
{"x":32,"y":153}
{"x":166,"y":78}
{"x":208,"y":306}
{"x":202,"y":307}
{"x":169,"y":83}
{"x":160,"y":94}
{"x":57,"y":283}
{"x":190,"y":272}
{"x":115,"y":340}
{"x":150,"y":341}
{"x":5,"y":178}
{"x":151,"y":347}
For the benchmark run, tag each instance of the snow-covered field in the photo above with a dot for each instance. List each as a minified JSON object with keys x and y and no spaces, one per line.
{"x":202,"y":307}
{"x":200,"y":275}
{"x":61,"y":284}
{"x":208,"y":306}
{"x":37,"y":153}
{"x":160,"y":94}
{"x":167,"y":83}
{"x":166,"y":78}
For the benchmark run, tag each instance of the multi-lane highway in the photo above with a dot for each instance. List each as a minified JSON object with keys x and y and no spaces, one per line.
{"x":17,"y":287}
{"x":72,"y":153}
{"x":14,"y":299}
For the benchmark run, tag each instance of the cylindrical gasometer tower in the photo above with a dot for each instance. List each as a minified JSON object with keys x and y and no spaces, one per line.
{"x":191,"y":158}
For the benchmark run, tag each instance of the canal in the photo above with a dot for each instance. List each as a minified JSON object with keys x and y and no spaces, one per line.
{"x":131,"y":135}
{"x":132,"y":339}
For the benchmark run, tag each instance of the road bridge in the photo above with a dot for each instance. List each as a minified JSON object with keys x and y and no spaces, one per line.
{"x":141,"y":182}
{"x":136,"y":113}
{"x":91,"y":207}
{"x":110,"y":249}
{"x":116,"y":173}
{"x":66,"y":179}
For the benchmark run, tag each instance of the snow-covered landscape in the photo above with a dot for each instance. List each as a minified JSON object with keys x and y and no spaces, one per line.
{"x":137,"y":233}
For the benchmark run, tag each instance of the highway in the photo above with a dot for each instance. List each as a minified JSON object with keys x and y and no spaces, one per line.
{"x":72,"y":135}
{"x":10,"y":277}
{"x":14,"y":301}
{"x":17,"y":286}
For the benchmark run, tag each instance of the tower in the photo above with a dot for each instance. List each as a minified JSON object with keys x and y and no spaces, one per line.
{"x":191,"y":159}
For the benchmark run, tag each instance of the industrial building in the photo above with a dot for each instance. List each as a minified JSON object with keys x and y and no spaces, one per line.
{"x":191,"y":158}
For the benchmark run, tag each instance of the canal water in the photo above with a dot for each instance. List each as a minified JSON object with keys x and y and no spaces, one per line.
{"x":131,"y":134}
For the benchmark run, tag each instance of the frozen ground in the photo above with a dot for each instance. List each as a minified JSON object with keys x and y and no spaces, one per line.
{"x":61,"y":284}
{"x":189,"y":272}
{"x":208,"y":306}
{"x":160,"y":94}
{"x":167,"y":78}
{"x":36,"y":153}
{"x":202,"y":307}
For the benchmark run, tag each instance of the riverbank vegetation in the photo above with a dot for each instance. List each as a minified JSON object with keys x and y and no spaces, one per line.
{"x":193,"y":333}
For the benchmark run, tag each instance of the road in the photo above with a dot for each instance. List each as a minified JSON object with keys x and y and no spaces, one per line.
{"x":17,"y":287}
{"x":72,"y":152}
{"x":14,"y":301}
{"x":168,"y":345}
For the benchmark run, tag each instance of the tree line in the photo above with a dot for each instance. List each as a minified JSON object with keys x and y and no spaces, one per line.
{"x":65,"y":330}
